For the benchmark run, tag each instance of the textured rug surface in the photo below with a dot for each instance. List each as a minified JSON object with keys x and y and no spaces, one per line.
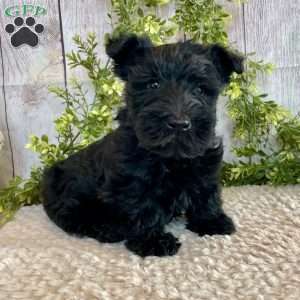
{"x":261,"y":261}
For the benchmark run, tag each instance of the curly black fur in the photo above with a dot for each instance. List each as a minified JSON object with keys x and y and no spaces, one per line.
{"x":164,"y":158}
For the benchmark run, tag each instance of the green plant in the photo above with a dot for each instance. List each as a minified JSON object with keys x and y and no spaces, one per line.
{"x":19,"y":192}
{"x":132,"y":17}
{"x":202,"y":20}
{"x":266,"y":136}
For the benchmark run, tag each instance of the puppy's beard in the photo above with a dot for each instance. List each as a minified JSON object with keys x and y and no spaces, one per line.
{"x":174,"y":147}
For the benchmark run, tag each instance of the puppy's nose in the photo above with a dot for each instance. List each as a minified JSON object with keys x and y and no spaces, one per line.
{"x":182,"y":125}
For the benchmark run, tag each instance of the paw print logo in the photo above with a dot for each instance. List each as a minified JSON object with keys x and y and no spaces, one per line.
{"x":24,"y":33}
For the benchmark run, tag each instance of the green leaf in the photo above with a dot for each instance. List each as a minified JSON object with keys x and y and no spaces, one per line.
{"x":140,"y":12}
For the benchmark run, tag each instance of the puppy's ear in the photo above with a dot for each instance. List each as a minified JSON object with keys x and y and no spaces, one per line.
{"x":225,"y":61}
{"x":125,"y":51}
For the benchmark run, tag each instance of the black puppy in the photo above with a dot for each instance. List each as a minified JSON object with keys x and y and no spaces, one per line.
{"x":164,"y":158}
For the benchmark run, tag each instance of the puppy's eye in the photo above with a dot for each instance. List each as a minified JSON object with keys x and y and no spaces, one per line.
{"x":153,"y":85}
{"x":200,"y":89}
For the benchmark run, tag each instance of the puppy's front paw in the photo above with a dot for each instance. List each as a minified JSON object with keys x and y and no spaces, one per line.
{"x":221,"y":225}
{"x":163,"y":244}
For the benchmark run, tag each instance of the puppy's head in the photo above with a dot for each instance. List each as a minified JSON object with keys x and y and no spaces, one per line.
{"x":171,"y":91}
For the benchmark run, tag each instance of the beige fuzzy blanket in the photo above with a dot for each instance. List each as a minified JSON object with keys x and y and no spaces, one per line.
{"x":261,"y":261}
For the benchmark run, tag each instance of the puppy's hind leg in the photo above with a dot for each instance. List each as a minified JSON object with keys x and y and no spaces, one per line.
{"x":71,"y":203}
